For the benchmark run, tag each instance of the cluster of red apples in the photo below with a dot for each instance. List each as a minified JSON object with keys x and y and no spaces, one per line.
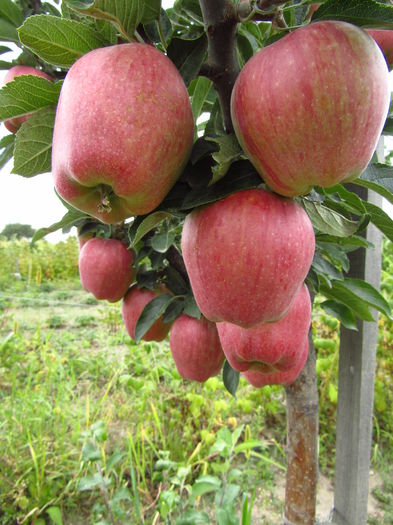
{"x":307,"y":110}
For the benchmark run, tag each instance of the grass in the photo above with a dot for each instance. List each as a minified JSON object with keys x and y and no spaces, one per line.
{"x":95,"y":429}
{"x":66,"y":369}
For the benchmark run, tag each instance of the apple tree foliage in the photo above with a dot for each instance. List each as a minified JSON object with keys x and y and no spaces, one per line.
{"x":53,"y":38}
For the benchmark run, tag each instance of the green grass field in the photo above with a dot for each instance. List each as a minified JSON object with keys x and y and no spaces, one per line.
{"x":95,"y":429}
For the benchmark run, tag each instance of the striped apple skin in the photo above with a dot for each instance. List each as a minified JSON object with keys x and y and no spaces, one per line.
{"x":308,"y":110}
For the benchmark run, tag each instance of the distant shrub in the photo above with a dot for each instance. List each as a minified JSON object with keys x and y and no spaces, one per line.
{"x":42,"y":263}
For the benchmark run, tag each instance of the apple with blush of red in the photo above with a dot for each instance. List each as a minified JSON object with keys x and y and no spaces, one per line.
{"x":316,"y":119}
{"x":132,"y":306}
{"x":384,"y":39}
{"x":105,"y":268}
{"x":273,"y":352}
{"x":13,"y":124}
{"x":286,"y":377}
{"x":123,"y":131}
{"x":247,"y":256}
{"x":196,"y":348}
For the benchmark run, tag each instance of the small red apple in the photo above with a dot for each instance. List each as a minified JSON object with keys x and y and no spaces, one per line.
{"x":132,"y":307}
{"x":247,"y":256}
{"x":13,"y":124}
{"x":196,"y":348}
{"x":309,"y":109}
{"x":105,"y":268}
{"x":269,"y":347}
{"x":384,"y":39}
{"x":123,"y":131}
{"x":286,"y":377}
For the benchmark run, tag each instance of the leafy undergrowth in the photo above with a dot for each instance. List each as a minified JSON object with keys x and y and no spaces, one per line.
{"x":96,"y":429}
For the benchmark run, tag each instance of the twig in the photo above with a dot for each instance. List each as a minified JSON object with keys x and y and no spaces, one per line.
{"x":221,"y":19}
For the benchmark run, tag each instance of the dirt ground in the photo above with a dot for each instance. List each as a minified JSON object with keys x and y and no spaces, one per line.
{"x":268,"y":510}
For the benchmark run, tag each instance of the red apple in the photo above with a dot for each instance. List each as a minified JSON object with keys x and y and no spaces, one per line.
{"x":123,"y":131}
{"x":309,"y":109}
{"x":286,"y":377}
{"x":13,"y":124}
{"x":132,"y":306}
{"x":247,"y":256}
{"x":196,"y":348}
{"x":105,"y":268}
{"x":269,"y":347}
{"x":384,"y":39}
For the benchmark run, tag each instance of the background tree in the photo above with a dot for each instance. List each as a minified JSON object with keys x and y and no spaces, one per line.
{"x":18,"y":230}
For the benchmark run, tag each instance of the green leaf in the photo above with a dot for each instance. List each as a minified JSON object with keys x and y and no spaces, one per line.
{"x":5,"y":65}
{"x":226,"y":516}
{"x":193,"y":517}
{"x":58,"y":41}
{"x":11,"y":12}
{"x":92,"y":482}
{"x":175,"y":281}
{"x":6,"y":149}
{"x":151,"y":312}
{"x":160,"y":31}
{"x":357,"y":295}
{"x":366,"y":13}
{"x":151,"y":11}
{"x":33,"y":144}
{"x":27,"y":94}
{"x":339,"y":293}
{"x":188,"y":56}
{"x":341,"y":312}
{"x":325,"y":268}
{"x":378,"y":177}
{"x":139,"y":229}
{"x":173,"y":311}
{"x":204,"y":485}
{"x":4,"y":49}
{"x":329,"y":221}
{"x":113,"y":460}
{"x":186,"y":18}
{"x":90,"y":452}
{"x":126,"y":15}
{"x":8,"y":32}
{"x":335,"y":253}
{"x":248,"y":445}
{"x":348,"y":200}
{"x":227,"y":501}
{"x":200,"y":91}
{"x":55,"y":515}
{"x":230,"y":378}
{"x":122,"y":494}
{"x":191,"y":308}
{"x":388,"y":126}
{"x":71,"y":218}
{"x":241,"y":176}
{"x":229,"y":151}
{"x":380,"y":219}
{"x":162,"y":241}
{"x":369,"y":294}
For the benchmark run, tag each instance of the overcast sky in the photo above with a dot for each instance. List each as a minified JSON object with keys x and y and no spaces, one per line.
{"x":33,"y":201}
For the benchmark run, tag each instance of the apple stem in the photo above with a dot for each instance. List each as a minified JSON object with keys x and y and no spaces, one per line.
{"x":105,"y":203}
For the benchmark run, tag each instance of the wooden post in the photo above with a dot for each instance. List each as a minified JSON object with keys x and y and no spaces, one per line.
{"x":357,"y":364}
